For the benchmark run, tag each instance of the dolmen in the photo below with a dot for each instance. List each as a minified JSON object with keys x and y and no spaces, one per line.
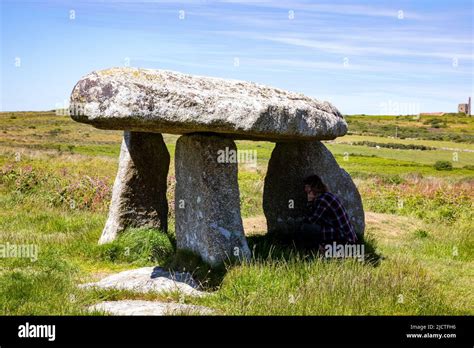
{"x":209,"y":113}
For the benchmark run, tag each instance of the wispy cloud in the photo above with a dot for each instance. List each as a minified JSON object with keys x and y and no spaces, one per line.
{"x":349,"y":49}
{"x":331,"y":8}
{"x":365,"y":66}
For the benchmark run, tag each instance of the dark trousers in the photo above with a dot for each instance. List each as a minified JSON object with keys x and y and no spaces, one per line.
{"x":303,"y":236}
{"x":309,"y":236}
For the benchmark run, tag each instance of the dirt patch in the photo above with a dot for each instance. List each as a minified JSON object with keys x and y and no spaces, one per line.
{"x":255,"y":225}
{"x":389,"y":226}
{"x":380,"y":225}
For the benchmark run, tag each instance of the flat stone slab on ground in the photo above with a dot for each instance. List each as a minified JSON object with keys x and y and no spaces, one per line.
{"x":163,"y":101}
{"x":150,"y":279}
{"x":139,"y":307}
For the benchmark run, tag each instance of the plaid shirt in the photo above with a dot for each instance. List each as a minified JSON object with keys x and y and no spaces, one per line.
{"x":328,"y":212}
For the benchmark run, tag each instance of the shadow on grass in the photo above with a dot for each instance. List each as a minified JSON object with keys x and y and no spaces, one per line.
{"x":140,"y":246}
{"x":209,"y":277}
{"x":268,"y":247}
{"x":264,"y":248}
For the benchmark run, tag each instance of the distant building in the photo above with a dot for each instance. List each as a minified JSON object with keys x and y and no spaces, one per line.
{"x":465,"y":108}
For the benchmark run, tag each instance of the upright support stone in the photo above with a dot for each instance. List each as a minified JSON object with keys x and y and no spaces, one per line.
{"x":283,"y":196}
{"x":207,"y":199}
{"x":139,"y":192}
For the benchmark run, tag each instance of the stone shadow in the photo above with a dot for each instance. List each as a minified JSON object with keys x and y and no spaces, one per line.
{"x":264,"y":248}
{"x":272,"y":247}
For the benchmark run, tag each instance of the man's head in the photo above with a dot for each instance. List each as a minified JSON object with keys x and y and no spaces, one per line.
{"x":314,"y":184}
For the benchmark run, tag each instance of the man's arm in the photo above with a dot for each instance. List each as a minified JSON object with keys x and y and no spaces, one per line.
{"x":321,"y":206}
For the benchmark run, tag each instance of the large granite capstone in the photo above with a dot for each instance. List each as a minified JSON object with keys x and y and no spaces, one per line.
{"x":169,"y":102}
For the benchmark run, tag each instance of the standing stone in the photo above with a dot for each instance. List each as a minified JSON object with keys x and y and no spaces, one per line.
{"x":284,"y":198}
{"x":207,"y":199}
{"x":139,"y":192}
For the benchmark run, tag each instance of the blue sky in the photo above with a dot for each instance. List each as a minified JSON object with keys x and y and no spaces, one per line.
{"x":373,"y":57}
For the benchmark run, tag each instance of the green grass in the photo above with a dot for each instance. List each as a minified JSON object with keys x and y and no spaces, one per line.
{"x":299,"y":287}
{"x":419,"y":226}
{"x":139,"y":247}
{"x":415,"y":157}
{"x":452,"y":146}
{"x":457,"y":128}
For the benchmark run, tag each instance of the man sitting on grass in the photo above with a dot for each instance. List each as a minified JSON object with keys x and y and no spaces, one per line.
{"x":326,"y":220}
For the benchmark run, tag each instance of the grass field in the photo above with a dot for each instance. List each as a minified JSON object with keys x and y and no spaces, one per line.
{"x":55,"y":187}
